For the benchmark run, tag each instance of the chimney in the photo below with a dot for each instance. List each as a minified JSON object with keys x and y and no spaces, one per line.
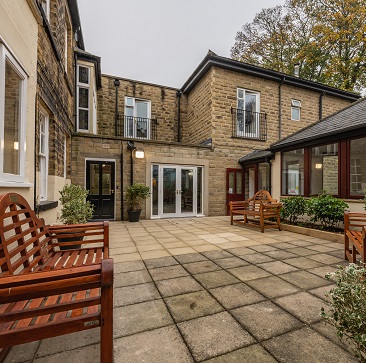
{"x":296,"y":69}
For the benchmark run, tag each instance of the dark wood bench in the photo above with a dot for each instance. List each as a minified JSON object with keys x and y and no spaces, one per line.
{"x":354,"y":236}
{"x":45,"y":292}
{"x":259,"y":208}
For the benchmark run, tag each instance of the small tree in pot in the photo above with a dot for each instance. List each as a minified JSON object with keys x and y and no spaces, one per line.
{"x":75,"y":209}
{"x":135,"y":194}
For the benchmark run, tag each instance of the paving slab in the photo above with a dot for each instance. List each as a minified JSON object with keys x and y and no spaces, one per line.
{"x":265,"y":320}
{"x":178,"y":286}
{"x":303,"y":262}
{"x":277,"y":267}
{"x":257,"y":258}
{"x":134,"y":294}
{"x":193,"y":305}
{"x":128,"y":266}
{"x":160,"y":262}
{"x":136,"y":318}
{"x":214,"y":335}
{"x":303,"y":251}
{"x":215,"y":279}
{"x":214,"y":255}
{"x":246,"y":273}
{"x":163,"y":345}
{"x":280,"y":255}
{"x":131,"y":278}
{"x":305,"y":346}
{"x":167,"y":272}
{"x":326,"y":258}
{"x":305,"y":279}
{"x":200,"y":267}
{"x":190,"y":257}
{"x":231,"y":262}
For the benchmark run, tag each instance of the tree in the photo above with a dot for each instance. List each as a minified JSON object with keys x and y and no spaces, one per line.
{"x":327,"y":39}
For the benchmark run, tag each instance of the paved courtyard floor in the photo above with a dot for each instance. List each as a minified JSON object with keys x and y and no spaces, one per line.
{"x":201,"y":290}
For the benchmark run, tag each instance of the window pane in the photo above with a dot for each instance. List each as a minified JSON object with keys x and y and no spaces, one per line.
{"x":83,"y":119}
{"x":94,"y":179}
{"x":240,"y":93}
{"x":263,"y":176}
{"x":106,"y":179}
{"x":84,"y":75}
{"x":358,"y":167}
{"x":155,"y":190}
{"x":199,"y":189}
{"x":293,"y":172}
{"x":141,"y":109}
{"x":324,"y":169}
{"x":83,"y":97}
{"x":12,"y":120}
{"x":295,"y":114}
{"x":231,"y":183}
{"x":239,"y":183}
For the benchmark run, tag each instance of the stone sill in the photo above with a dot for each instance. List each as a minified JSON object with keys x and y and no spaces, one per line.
{"x":46,"y":205}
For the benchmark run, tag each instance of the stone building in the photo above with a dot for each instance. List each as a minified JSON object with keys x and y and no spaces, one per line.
{"x":193,"y":137}
{"x":19,"y":21}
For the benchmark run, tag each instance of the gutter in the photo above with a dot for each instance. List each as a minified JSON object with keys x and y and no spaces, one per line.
{"x":179,"y":94}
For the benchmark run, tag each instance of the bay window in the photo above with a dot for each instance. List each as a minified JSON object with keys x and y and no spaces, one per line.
{"x":293,"y":172}
{"x":357,"y":167}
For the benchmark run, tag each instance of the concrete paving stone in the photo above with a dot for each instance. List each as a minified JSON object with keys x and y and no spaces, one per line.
{"x":132,"y":319}
{"x":320,"y":292}
{"x":201,"y":266}
{"x":252,"y":354}
{"x":280,"y":255}
{"x":231,"y":262}
{"x":174,"y":244}
{"x":128,"y":266}
{"x":181,"y":250}
{"x":322,"y":271}
{"x":272,"y":287}
{"x":215,"y":255}
{"x":241,"y":251}
{"x":322,"y":248}
{"x":326,"y":259}
{"x":227,"y":245}
{"x":154,"y":254}
{"x":167,"y":272}
{"x":233,"y":296}
{"x":257,"y":258}
{"x":160,"y":262}
{"x":190,"y":257}
{"x":237,"y":238}
{"x":284,"y":245}
{"x":305,"y":280}
{"x":120,"y":250}
{"x":337,"y":253}
{"x":264,"y":248}
{"x":134,"y":294}
{"x":143,"y":241}
{"x":255,"y":319}
{"x":206,"y":247}
{"x":215,"y":279}
{"x":131,"y":278}
{"x":302,"y":243}
{"x":68,"y":342}
{"x":192,"y":305}
{"x":178,"y":286}
{"x":90,"y":353}
{"x":197,"y":242}
{"x":246,"y":273}
{"x":128,"y":257}
{"x":163,"y":345}
{"x":303,"y":262}
{"x":303,"y":306}
{"x":305,"y":346}
{"x":154,"y":247}
{"x":277,"y":267}
{"x":22,"y":353}
{"x":214,"y":335}
{"x":303,"y":251}
{"x":167,"y":239}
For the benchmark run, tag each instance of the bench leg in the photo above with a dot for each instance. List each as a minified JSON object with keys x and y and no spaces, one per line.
{"x":245,"y":218}
{"x":231,"y":218}
{"x":262,"y":224}
{"x":279,"y":221}
{"x":4,"y":353}
{"x":106,"y":332}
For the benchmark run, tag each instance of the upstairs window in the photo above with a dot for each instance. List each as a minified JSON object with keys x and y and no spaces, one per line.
{"x":295,"y":110}
{"x":43,"y":154}
{"x":12,"y":118}
{"x":83,"y":102}
{"x":248,"y":116}
{"x":137,"y":120}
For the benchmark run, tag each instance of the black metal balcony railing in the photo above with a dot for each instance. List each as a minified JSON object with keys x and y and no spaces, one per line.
{"x":249,"y":125}
{"x":137,"y":127}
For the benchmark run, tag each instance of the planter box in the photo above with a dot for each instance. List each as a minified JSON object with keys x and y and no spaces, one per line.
{"x":329,"y":236}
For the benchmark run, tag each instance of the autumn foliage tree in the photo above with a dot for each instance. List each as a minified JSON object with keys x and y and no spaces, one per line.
{"x":326,"y":38}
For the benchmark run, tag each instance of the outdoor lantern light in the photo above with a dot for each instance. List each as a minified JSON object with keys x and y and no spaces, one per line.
{"x":140,"y":154}
{"x":318,"y":166}
{"x":16,"y":145}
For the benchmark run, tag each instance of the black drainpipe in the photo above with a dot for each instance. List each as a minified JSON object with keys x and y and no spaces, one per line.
{"x":35,"y":158}
{"x":179,"y":94}
{"x":280,"y":108}
{"x":321,"y":105}
{"x":76,"y":92}
{"x":122,"y":186}
{"x":116,"y":84}
{"x":270,"y":175}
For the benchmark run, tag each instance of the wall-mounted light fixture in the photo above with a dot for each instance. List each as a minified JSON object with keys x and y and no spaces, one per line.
{"x":318,"y":166}
{"x":139,"y":154}
{"x":16,"y":145}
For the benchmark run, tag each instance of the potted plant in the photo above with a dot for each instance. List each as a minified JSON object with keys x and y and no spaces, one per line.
{"x":135,"y":194}
{"x":75,"y":209}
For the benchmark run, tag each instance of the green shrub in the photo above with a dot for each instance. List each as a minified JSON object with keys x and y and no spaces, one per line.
{"x":327,"y":210}
{"x":136,"y":193}
{"x":292,"y":208}
{"x":347,"y":306}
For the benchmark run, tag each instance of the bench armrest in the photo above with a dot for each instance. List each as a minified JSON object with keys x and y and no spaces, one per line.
{"x":48,"y":283}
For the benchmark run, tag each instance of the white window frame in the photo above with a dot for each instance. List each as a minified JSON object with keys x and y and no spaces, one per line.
{"x":257,"y":127}
{"x":46,"y":7}
{"x":5,"y":54}
{"x":85,"y":86}
{"x":295,"y":105}
{"x":43,"y":155}
{"x":134,"y":108}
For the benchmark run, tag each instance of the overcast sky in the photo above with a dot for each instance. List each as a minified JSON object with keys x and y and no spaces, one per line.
{"x":162,"y":41}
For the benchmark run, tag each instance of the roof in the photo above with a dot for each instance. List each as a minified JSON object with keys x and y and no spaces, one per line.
{"x":340,"y":124}
{"x":213,"y":60}
{"x":76,"y":23}
{"x":255,"y":156}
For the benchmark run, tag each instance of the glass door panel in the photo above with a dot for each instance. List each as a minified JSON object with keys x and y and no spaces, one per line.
{"x":169,"y":190}
{"x":186,"y":191}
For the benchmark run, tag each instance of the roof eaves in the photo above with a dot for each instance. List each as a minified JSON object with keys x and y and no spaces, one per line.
{"x":76,"y":23}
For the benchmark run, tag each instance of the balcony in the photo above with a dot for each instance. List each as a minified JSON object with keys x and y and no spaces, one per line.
{"x":137,"y":127}
{"x":249,"y":125}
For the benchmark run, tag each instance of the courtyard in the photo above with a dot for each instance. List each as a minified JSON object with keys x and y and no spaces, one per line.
{"x":201,"y":290}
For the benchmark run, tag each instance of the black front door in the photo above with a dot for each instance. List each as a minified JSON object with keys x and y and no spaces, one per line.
{"x":100,"y":183}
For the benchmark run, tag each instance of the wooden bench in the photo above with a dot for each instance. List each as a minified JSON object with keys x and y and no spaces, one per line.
{"x":45,"y":292}
{"x":354,"y":236}
{"x":260,"y":208}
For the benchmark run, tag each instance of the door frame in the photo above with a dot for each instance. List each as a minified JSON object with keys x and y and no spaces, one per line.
{"x":233,"y":196}
{"x":114,"y":181}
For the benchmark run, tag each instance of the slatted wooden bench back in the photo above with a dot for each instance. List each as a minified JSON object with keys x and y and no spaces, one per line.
{"x":24,"y":241}
{"x":354,"y":236}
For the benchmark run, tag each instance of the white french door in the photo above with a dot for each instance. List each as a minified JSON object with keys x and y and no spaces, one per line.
{"x":177,"y":191}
